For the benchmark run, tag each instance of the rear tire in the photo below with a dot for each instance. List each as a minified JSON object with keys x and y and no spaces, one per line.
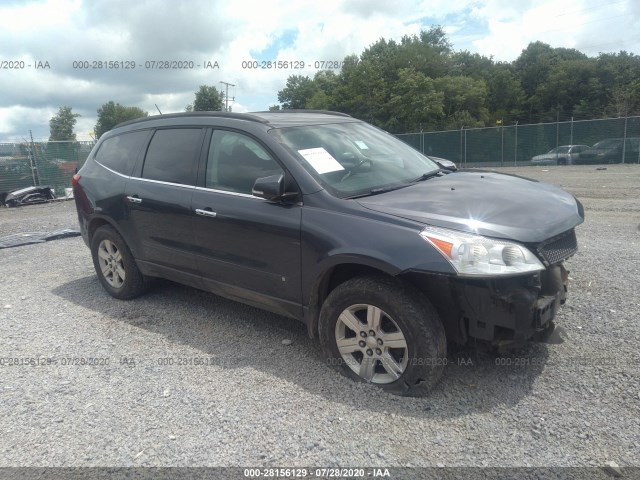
{"x":379,"y":330}
{"x":115,"y":265}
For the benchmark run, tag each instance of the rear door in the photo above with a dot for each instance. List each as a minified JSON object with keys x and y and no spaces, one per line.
{"x":158,"y":202}
{"x":246,"y":247}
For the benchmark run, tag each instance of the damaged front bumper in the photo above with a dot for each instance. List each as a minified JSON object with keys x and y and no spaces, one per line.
{"x":500,"y":312}
{"x":511,"y":312}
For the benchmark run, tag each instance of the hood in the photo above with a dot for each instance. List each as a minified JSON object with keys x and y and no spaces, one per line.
{"x":492,"y":204}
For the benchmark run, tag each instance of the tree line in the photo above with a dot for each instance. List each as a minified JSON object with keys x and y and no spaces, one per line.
{"x":421,"y":83}
{"x":61,"y":125}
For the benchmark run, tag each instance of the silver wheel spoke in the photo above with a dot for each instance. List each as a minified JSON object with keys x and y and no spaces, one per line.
{"x":350,"y":320}
{"x":120,"y":272}
{"x":394,"y":340}
{"x":348,"y":345}
{"x":374,"y":314}
{"x":391,"y":366}
{"x":367,"y":368}
{"x":102,"y":253}
{"x":106,"y":269}
{"x":117,"y":257}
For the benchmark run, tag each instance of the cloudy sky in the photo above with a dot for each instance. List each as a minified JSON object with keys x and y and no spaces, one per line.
{"x":70,"y":34}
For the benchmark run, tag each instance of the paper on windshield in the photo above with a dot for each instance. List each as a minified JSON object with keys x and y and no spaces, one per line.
{"x":361,"y":145}
{"x":321,"y":160}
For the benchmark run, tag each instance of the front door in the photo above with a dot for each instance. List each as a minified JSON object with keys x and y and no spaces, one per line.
{"x":246,"y":247}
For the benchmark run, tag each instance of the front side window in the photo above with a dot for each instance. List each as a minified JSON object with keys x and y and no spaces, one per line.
{"x":236,"y":161}
{"x":119,"y":153}
{"x":172,"y":155}
{"x":354,"y":158}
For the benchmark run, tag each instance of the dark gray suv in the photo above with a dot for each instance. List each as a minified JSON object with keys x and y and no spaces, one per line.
{"x":384,"y":254}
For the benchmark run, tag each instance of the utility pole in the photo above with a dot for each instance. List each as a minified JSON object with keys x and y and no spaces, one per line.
{"x":226,"y":95}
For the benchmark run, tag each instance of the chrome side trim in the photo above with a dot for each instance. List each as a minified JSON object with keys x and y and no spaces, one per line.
{"x":235,"y":194}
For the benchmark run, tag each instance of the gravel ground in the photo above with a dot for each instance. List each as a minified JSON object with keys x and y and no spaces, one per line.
{"x":259,"y":402}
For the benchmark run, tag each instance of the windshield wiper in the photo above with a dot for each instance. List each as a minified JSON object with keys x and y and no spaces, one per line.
{"x":375,"y":191}
{"x":428,"y":175}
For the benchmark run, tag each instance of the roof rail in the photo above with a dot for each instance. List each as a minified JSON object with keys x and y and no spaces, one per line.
{"x":302,"y":110}
{"x":239,"y":116}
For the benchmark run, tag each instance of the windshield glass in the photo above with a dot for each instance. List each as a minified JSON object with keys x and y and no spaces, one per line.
{"x":353,"y":158}
{"x":609,"y":143}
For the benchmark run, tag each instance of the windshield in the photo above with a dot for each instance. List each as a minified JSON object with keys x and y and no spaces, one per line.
{"x":609,"y":143}
{"x":354,"y":158}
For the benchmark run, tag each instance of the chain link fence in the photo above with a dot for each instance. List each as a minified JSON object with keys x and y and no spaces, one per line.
{"x":41,"y":164}
{"x":515,"y":145}
{"x":54,"y":163}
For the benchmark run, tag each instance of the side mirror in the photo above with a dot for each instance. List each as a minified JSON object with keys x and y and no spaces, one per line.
{"x":269,"y":188}
{"x":445,"y":164}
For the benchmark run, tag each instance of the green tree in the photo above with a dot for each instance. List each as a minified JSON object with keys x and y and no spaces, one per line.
{"x":297,"y":92}
{"x":111,"y":114}
{"x":464,"y":101}
{"x":568,"y":84}
{"x":208,"y":99}
{"x":414,"y":102}
{"x":61,"y":125}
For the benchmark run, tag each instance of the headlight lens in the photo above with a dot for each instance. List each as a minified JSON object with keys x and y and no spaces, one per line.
{"x":472,"y":254}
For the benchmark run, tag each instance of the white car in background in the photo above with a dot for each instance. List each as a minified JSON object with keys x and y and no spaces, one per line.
{"x":562,"y":155}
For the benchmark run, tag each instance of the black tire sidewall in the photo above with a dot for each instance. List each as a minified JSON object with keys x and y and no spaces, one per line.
{"x":414,"y":315}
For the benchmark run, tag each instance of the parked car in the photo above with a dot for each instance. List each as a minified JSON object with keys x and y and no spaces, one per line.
{"x":562,"y":155}
{"x":610,"y":151}
{"x":318,"y":216}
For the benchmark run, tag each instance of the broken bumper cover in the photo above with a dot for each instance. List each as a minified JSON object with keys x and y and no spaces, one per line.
{"x":512,"y":312}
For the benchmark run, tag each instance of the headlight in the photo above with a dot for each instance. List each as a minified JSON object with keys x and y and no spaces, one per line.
{"x":472,"y":254}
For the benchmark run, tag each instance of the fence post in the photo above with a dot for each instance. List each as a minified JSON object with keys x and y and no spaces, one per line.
{"x":557,"y":133}
{"x":465,"y":149}
{"x":571,"y":135}
{"x":624,"y":139}
{"x":461,"y":146}
{"x":34,"y":165}
{"x":515,"y":149}
{"x":502,"y":145}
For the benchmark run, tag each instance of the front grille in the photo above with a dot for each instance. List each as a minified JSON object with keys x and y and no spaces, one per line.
{"x":558,"y":248}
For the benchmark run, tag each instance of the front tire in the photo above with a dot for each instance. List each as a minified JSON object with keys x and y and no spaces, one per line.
{"x":378,"y":330}
{"x":115,"y":265}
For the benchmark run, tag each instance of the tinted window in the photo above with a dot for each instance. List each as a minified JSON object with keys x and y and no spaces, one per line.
{"x":236,"y":161}
{"x":119,"y":153}
{"x":171,"y":155}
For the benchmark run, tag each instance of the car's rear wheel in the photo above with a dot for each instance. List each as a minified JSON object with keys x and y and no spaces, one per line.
{"x":377,"y":329}
{"x":115,"y":265}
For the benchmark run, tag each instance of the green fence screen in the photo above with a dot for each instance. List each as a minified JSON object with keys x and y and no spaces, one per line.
{"x":517,"y":144}
{"x":41,"y":163}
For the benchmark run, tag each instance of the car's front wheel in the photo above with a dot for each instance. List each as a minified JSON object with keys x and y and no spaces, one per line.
{"x":379,"y":330}
{"x":115,"y":265}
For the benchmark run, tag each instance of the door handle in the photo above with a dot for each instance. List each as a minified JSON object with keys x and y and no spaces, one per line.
{"x":134,"y":199}
{"x":205,"y":213}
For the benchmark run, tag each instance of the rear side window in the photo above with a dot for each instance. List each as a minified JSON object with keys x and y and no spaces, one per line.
{"x":172,"y":155}
{"x":119,"y":153}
